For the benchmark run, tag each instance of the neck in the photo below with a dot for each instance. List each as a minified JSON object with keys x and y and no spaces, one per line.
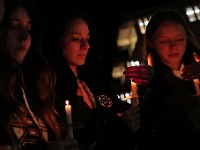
{"x":174,"y":66}
{"x":74,"y":70}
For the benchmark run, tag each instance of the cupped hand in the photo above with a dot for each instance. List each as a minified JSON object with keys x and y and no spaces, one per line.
{"x":139,"y":74}
{"x":191,"y":71}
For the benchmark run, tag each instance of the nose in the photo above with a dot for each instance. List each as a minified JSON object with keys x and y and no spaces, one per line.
{"x":85,"y":44}
{"x":172,"y":43}
{"x":22,"y":33}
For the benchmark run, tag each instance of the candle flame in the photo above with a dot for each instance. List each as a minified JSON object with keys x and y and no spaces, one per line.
{"x":150,"y":59}
{"x":67,"y":102}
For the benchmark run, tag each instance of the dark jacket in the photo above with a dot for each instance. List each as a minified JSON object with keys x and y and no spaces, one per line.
{"x":100,"y":125}
{"x":170,"y":114}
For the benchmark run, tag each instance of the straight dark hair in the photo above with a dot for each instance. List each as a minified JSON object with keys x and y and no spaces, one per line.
{"x":32,"y":72}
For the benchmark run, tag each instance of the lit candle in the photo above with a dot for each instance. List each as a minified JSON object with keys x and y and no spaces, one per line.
{"x":150,"y":59}
{"x":134,"y":95}
{"x":134,"y":89}
{"x":68,"y":109}
{"x":133,"y":84}
{"x":196,"y":84}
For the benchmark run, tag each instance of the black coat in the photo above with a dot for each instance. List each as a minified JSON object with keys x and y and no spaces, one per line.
{"x":170,"y":114}
{"x":91,"y":125}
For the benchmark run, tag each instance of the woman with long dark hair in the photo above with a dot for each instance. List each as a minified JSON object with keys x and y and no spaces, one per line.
{"x":27,"y":114}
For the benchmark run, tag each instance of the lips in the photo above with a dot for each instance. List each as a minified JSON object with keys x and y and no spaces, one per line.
{"x":20,"y":49}
{"x":174,"y":54}
{"x":82,"y":55}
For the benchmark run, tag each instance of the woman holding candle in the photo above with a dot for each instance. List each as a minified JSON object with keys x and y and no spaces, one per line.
{"x":94,"y":108}
{"x":170,"y":109}
{"x":27,"y":114}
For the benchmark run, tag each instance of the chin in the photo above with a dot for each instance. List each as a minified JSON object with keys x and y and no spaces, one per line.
{"x":81,"y":63}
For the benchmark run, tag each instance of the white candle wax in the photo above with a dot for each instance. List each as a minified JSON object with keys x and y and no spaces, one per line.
{"x":69,"y":119}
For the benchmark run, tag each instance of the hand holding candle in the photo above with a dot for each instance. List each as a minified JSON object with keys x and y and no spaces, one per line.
{"x":69,"y":119}
{"x":138,"y":74}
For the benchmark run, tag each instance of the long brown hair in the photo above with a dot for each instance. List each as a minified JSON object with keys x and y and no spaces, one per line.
{"x":34,"y":69}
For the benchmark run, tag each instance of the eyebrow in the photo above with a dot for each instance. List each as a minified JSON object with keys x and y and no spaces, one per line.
{"x":16,"y":19}
{"x":77,"y":33}
{"x":74,"y":33}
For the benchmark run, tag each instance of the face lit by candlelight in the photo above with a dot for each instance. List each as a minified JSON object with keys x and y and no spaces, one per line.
{"x":75,"y":44}
{"x":169,"y":42}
